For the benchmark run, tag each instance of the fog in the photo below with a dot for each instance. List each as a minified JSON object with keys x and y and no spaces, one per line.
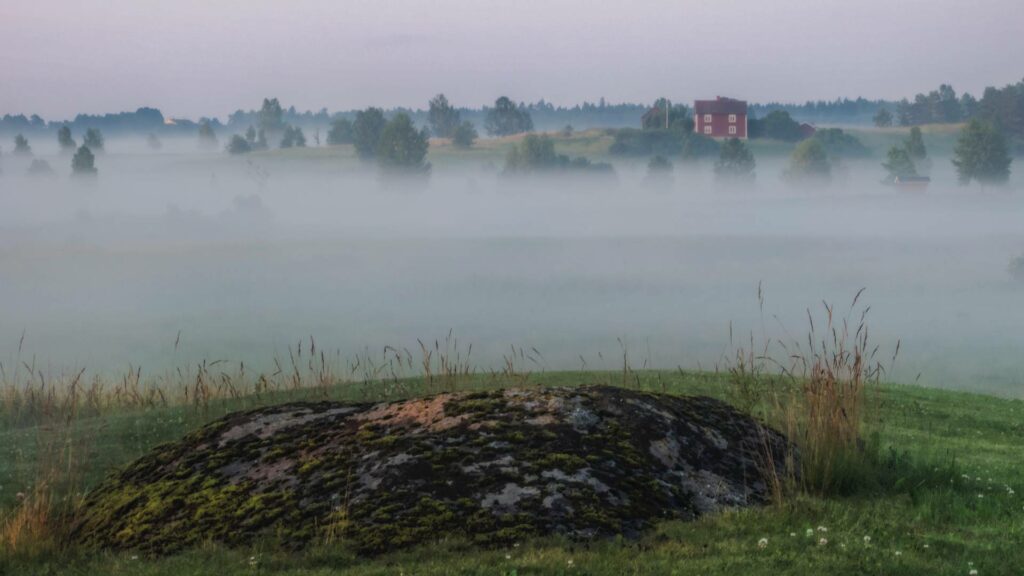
{"x":244,"y":256}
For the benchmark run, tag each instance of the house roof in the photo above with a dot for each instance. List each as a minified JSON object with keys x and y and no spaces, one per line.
{"x":720,"y":105}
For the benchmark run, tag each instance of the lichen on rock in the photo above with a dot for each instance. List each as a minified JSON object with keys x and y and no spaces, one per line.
{"x":491,"y":467}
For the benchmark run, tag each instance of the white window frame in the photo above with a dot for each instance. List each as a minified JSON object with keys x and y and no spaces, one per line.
{"x":732,"y":130}
{"x":732,"y":118}
{"x":707,"y":118}
{"x":707,"y":129}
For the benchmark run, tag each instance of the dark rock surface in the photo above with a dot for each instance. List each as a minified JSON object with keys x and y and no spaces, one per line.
{"x":492,"y":467}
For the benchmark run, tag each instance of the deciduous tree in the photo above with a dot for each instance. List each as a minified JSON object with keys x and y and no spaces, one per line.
{"x":981,"y":154}
{"x":735,"y":161}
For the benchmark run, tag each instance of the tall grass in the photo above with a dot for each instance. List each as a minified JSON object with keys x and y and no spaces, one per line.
{"x":816,"y":393}
{"x":822,"y":393}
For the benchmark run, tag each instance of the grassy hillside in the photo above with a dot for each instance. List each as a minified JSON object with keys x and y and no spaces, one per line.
{"x":946,"y":499}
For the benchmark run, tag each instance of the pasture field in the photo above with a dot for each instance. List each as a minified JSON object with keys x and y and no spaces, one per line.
{"x":943,"y":495}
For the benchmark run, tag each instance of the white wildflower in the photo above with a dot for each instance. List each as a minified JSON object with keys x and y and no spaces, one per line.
{"x":822,"y":541}
{"x":822,"y":529}
{"x":867,"y":539}
{"x":762,"y":543}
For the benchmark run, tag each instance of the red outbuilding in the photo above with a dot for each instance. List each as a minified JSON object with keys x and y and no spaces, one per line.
{"x":721,"y":118}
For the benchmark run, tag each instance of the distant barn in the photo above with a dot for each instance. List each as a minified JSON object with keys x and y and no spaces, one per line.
{"x":721,"y":118}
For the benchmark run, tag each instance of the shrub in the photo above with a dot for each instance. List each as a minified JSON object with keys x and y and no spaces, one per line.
{"x":809,"y":161}
{"x":839,"y":144}
{"x":366,"y":131}
{"x":40,"y":168}
{"x":239,"y":145}
{"x":21,"y":146}
{"x":340,"y":132}
{"x":93,"y":140}
{"x":293,"y":137}
{"x":699,"y":146}
{"x":899,"y":163}
{"x":537,"y":154}
{"x":402,"y":148}
{"x":981,"y":154}
{"x":735,"y":161}
{"x":465,"y":135}
{"x":659,"y":172}
{"x":83,"y":163}
{"x":776,"y":125}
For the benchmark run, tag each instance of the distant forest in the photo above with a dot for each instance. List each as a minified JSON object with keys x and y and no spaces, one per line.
{"x":1003,"y":106}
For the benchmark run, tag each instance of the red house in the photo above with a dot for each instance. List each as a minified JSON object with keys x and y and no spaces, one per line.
{"x":721,"y":118}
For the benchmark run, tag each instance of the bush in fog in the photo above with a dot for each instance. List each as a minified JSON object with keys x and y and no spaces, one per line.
{"x":153,"y":142}
{"x":207,"y":137}
{"x":1017,"y":268}
{"x":21,"y":146}
{"x":340,"y":132}
{"x":465,"y":135}
{"x":981,"y":154}
{"x":809,"y":161}
{"x":839,"y":144}
{"x":883,"y":118}
{"x":256,"y":140}
{"x":532,"y":154}
{"x":776,"y":125}
{"x":40,"y":167}
{"x":64,"y":139}
{"x":83,"y":163}
{"x":443,"y":118}
{"x":537,"y":154}
{"x":93,"y":140}
{"x":899,"y":163}
{"x":293,"y":137}
{"x":915,"y":145}
{"x":366,"y":131}
{"x":403,"y":148}
{"x":239,"y":145}
{"x":506,"y":118}
{"x":659,"y":165}
{"x":698,"y":146}
{"x":735,"y":161}
{"x":659,"y":172}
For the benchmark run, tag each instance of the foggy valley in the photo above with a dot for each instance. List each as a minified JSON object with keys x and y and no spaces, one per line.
{"x":246,"y":256}
{"x":480,"y":288}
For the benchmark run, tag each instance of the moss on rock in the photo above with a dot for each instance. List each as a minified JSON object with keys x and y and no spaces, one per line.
{"x":491,"y":467}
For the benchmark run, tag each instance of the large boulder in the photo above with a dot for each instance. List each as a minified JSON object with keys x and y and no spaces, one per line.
{"x":492,"y":467}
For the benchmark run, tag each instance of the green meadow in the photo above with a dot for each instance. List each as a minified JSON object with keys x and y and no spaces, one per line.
{"x":942,"y":496}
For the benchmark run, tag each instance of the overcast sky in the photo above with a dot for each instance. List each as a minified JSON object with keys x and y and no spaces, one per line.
{"x":211,"y":57}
